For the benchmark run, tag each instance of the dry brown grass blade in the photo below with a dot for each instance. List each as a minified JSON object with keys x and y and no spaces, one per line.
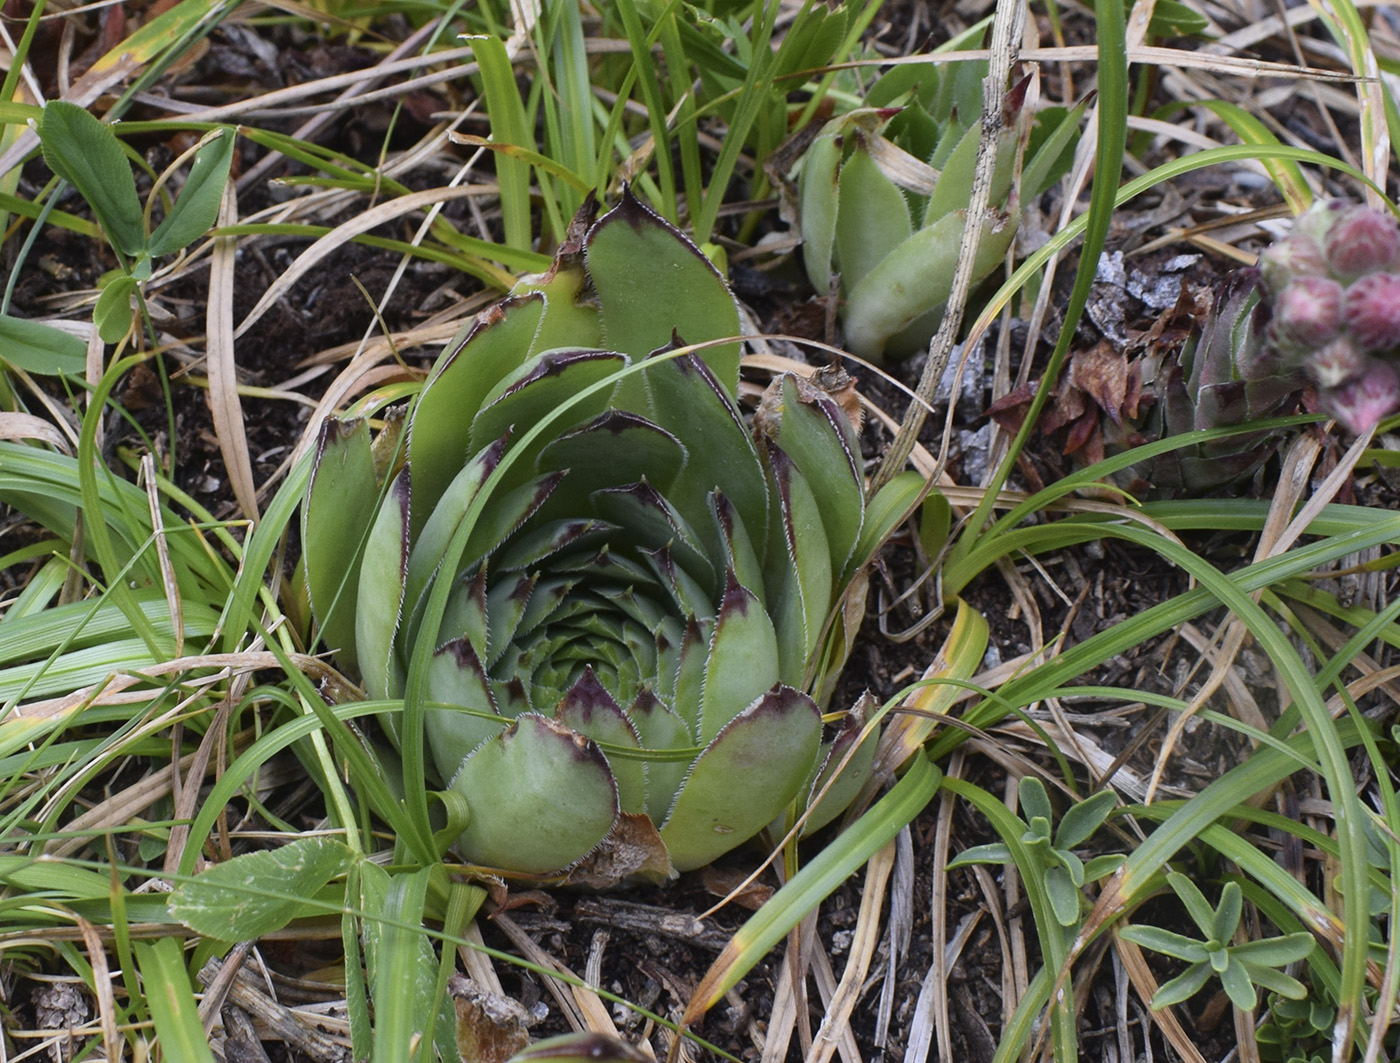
{"x":1146,"y":985}
{"x":921,"y":1027}
{"x":862,"y":949}
{"x":938,"y":905}
{"x":825,"y":977}
{"x":103,"y":74}
{"x":319,"y":121}
{"x":310,"y":1032}
{"x":120,"y":807}
{"x":169,"y":584}
{"x":789,"y":991}
{"x":344,"y":233}
{"x":581,"y":1005}
{"x":270,"y":104}
{"x":116,"y":690}
{"x":224,"y":403}
{"x":1005,"y":44}
{"x":101,"y":988}
{"x":19,"y":426}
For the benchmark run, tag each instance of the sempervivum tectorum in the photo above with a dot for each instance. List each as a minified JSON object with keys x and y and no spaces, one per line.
{"x":1334,"y":285}
{"x":614,"y":600}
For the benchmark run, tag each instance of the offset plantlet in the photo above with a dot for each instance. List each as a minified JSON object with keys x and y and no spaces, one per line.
{"x":634,"y":591}
{"x":1064,"y":873}
{"x":1241,"y":967}
{"x":883,"y":195}
{"x":1226,"y":374}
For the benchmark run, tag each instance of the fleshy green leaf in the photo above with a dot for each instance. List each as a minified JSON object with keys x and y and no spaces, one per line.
{"x":745,"y":777}
{"x":541,"y":797}
{"x":917,"y":278}
{"x":653,"y":282}
{"x":335,"y":522}
{"x":872,"y":216}
{"x":380,"y":598}
{"x":742,"y":662}
{"x":820,"y":169}
{"x":494,"y":345}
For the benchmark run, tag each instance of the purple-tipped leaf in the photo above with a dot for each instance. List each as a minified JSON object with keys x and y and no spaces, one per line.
{"x":540,"y":798}
{"x":744,"y":778}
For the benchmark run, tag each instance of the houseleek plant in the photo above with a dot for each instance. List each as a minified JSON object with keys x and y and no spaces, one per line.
{"x":639,"y":589}
{"x":883,"y":194}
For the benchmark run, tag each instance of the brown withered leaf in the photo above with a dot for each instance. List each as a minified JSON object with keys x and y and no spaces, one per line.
{"x":722,"y":882}
{"x":632,"y":848}
{"x":490,"y":1028}
{"x":1105,"y":376}
{"x":1097,"y":383}
{"x":1009,"y":411}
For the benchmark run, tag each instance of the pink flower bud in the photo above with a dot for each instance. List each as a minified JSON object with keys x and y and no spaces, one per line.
{"x":1362,"y":241}
{"x":1315,"y":222}
{"x":1308,"y":312}
{"x":1373,"y":311}
{"x":1293,"y":256}
{"x":1334,"y":363}
{"x":1361,"y":402}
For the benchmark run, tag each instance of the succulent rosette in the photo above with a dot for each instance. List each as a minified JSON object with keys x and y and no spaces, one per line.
{"x":1225,"y":374}
{"x":638,"y":591}
{"x":883,"y":194}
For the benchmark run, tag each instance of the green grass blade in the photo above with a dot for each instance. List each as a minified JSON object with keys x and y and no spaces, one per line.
{"x":508,"y":126}
{"x":1108,"y":166}
{"x":178,"y":1029}
{"x":806,"y":890}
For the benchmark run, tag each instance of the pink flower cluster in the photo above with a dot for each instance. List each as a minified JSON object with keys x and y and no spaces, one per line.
{"x":1334,"y":285}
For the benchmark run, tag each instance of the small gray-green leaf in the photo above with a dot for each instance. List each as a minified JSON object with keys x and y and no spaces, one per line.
{"x":1081,"y":820}
{"x":39,"y":348}
{"x":1064,"y":896}
{"x":86,"y":154}
{"x":1183,"y":987}
{"x":1202,"y":914}
{"x":194,"y":212}
{"x":991,"y":853}
{"x":251,"y":895}
{"x":1035,"y":802}
{"x":1276,"y":952}
{"x":112,"y":315}
{"x":1238,"y":987}
{"x":1167,"y":942}
{"x":1227,"y":915}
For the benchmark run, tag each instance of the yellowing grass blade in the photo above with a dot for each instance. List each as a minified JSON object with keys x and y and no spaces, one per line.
{"x":958,"y":658}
